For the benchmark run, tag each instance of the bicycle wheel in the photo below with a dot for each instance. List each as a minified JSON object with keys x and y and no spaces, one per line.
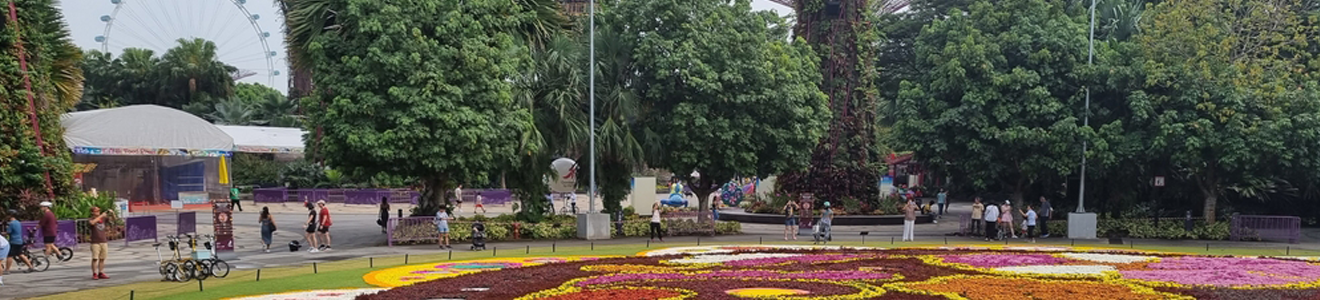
{"x":203,"y":269}
{"x":177,"y":272}
{"x":40,"y":262}
{"x":65,"y":254}
{"x":189,"y":270}
{"x":219,"y":268}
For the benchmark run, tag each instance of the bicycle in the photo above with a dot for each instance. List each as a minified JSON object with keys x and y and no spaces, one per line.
{"x":178,"y":268}
{"x":209,"y":265}
{"x":62,"y":254}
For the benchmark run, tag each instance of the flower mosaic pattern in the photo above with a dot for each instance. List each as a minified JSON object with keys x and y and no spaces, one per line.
{"x":344,"y":294}
{"x":407,"y":275}
{"x":1228,"y":272}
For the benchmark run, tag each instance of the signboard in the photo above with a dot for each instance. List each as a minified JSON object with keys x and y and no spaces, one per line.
{"x":222,"y":216}
{"x":150,"y":151}
{"x":565,"y":179}
{"x":193,"y":197}
{"x":176,"y":204}
{"x":121,"y":207}
{"x":1159,"y":181}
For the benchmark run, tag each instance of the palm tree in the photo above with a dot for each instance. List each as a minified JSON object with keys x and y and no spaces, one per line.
{"x":193,"y":67}
{"x":234,"y":112}
{"x":278,"y":112}
{"x":549,"y":22}
{"x":303,"y":21}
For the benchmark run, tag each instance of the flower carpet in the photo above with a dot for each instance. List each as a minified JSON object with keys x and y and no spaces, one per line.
{"x":804,"y":272}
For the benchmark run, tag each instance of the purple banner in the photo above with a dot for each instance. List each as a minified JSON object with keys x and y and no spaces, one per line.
{"x":364,"y":197}
{"x":139,"y":228}
{"x":494,"y":197}
{"x":270,"y":195}
{"x":307,"y":196}
{"x":187,"y":222}
{"x":66,"y":234}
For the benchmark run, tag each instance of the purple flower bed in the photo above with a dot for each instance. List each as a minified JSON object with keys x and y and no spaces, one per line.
{"x":1227,"y":271}
{"x":748,"y":274}
{"x":1003,"y":260}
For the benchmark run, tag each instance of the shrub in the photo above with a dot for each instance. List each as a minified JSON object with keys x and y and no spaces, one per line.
{"x":1146,"y":229}
{"x":728,"y":227}
{"x":851,"y":205}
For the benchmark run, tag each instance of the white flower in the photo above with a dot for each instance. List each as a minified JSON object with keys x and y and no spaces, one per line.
{"x":1039,"y":249}
{"x":1306,"y":258}
{"x":722,"y":258}
{"x":1109,"y":258}
{"x":1060,"y":269}
{"x":344,"y":294}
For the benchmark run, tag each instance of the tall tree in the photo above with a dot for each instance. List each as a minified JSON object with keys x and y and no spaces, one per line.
{"x":415,"y":88}
{"x":725,"y":93}
{"x":192,"y":73}
{"x":997,"y":101}
{"x":1225,"y":88}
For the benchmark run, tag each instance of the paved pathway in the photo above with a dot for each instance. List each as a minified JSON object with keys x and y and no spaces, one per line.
{"x":356,"y":235}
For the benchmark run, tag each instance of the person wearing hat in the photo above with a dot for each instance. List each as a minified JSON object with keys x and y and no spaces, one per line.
{"x":826,"y":220}
{"x":16,"y":243}
{"x":48,"y":228}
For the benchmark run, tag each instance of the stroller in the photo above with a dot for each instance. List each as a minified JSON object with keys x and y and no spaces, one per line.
{"x":820,"y":233}
{"x":478,"y":236}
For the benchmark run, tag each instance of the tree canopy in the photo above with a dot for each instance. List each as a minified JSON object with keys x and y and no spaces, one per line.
{"x":418,"y":88}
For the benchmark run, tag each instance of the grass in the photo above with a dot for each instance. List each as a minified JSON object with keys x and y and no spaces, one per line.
{"x":348,"y":273}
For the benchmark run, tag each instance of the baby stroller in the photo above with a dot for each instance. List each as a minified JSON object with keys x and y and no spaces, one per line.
{"x":478,"y":236}
{"x":820,"y":233}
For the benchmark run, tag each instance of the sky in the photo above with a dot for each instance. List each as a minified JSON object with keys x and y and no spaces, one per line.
{"x":156,"y":24}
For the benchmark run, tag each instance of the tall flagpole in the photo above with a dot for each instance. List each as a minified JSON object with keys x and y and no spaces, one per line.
{"x":591,"y":90}
{"x":1086,"y":119}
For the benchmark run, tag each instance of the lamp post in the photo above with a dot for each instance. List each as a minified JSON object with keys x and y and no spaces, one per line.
{"x":591,"y":91}
{"x":1081,"y":225}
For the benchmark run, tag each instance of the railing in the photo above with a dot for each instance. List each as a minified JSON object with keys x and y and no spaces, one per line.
{"x":370,"y":196}
{"x":412,"y":229}
{"x":139,"y":228}
{"x":1263,"y":227}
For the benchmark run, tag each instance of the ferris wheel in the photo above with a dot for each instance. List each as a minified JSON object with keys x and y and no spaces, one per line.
{"x":157,"y":25}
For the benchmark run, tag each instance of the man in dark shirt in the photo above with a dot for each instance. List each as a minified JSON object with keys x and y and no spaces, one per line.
{"x":1045,"y":212}
{"x":48,"y":227}
{"x":100,"y":245}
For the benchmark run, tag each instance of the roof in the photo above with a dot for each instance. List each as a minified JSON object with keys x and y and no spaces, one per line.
{"x":143,"y":130}
{"x":257,"y":139}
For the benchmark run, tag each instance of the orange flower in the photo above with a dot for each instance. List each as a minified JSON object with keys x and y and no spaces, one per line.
{"x":1003,"y":288}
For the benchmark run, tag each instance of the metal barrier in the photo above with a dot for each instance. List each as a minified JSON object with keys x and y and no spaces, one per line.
{"x":187,"y":222}
{"x":1266,"y":227}
{"x":139,"y":228}
{"x":344,"y":196}
{"x":411,"y":229}
{"x":66,"y":234}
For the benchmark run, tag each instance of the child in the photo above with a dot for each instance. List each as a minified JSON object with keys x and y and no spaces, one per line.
{"x":1031,"y":223}
{"x":479,"y":205}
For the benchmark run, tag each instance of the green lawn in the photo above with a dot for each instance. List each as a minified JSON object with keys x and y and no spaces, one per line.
{"x":348,"y":273}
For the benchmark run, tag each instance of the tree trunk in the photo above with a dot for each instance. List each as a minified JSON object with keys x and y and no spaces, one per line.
{"x":703,"y":188}
{"x":1209,"y":188}
{"x":433,"y":195}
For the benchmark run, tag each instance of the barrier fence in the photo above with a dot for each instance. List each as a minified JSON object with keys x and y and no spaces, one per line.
{"x":1265,"y":227}
{"x":371,"y":196}
{"x":139,"y":228}
{"x":66,"y":234}
{"x":187,"y":222}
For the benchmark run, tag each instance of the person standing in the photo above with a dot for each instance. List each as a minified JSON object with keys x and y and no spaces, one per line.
{"x":715,"y":208}
{"x":325,"y":225}
{"x":655,"y":222}
{"x":826,"y":221}
{"x":4,"y":252}
{"x":384,"y":219}
{"x":909,"y":220}
{"x":939,"y":200}
{"x":311,"y":227}
{"x":1046,"y":211}
{"x":442,"y":225}
{"x":233,"y":198}
{"x":1030,"y":216}
{"x":458,"y":198}
{"x":100,"y":246}
{"x":267,"y":227}
{"x":572,"y":202}
{"x":1006,"y":218}
{"x":790,"y":220}
{"x":48,"y":228}
{"x":978,"y":211}
{"x":991,"y":222}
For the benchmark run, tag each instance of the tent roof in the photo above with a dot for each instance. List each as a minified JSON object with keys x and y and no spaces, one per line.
{"x":143,"y":130}
{"x":265,"y":139}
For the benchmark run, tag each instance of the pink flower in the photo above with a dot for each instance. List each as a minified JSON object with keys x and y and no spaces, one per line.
{"x":1003,"y":260}
{"x":752,"y":274}
{"x":1227,"y":271}
{"x":799,"y":259}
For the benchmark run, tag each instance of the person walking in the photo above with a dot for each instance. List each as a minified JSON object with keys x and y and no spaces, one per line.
{"x":826,"y":221}
{"x":909,"y":220}
{"x":479,"y":205}
{"x":1046,"y":212}
{"x":655,"y":222}
{"x":1030,"y":216}
{"x":325,"y":225}
{"x":940,"y":200}
{"x":16,"y":243}
{"x":267,"y":227}
{"x":311,"y":225}
{"x":233,"y":198}
{"x":100,"y":245}
{"x":790,"y":220}
{"x":442,"y":225}
{"x":48,"y":228}
{"x":978,"y":212}
{"x":384,"y":219}
{"x":458,"y":198}
{"x":991,"y":222}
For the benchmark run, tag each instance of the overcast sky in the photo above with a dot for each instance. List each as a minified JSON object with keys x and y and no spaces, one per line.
{"x":155,"y":24}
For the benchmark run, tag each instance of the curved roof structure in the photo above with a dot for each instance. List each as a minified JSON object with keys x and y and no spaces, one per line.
{"x":258,"y":139}
{"x":143,"y":130}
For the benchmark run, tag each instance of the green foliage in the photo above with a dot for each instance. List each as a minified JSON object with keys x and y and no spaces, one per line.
{"x":256,"y":170}
{"x":998,"y":102}
{"x":447,"y":115}
{"x":302,"y":174}
{"x":52,"y":62}
{"x":189,"y":76}
{"x":1146,"y":229}
{"x":79,"y":205}
{"x":742,"y":101}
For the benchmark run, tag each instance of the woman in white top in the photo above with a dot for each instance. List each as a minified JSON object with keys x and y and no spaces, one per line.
{"x":655,"y":222}
{"x":442,"y":225}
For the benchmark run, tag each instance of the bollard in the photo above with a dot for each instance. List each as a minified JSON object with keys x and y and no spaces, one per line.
{"x":131,"y":294}
{"x":1074,"y":242}
{"x":199,"y":286}
{"x":760,"y":240}
{"x":529,"y":249}
{"x":401,"y":213}
{"x":863,"y":240}
{"x":494,"y":251}
{"x":648,"y":243}
{"x":891,"y":240}
{"x":1287,"y":251}
{"x":405,"y":259}
{"x":371,"y":262}
{"x":258,"y":274}
{"x":314,"y":268}
{"x":698,"y":241}
{"x":946,"y":240}
{"x":451,"y":254}
{"x":552,"y":246}
{"x":1207,"y":246}
{"x":1132,"y":244}
{"x":593,"y":246}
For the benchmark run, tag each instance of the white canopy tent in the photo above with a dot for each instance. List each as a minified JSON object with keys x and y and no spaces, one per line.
{"x":257,"y":139}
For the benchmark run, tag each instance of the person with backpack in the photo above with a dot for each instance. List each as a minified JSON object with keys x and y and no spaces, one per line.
{"x":325,"y":225}
{"x":384,"y":213}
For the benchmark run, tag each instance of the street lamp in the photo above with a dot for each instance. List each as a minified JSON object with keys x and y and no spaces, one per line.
{"x":592,"y":225}
{"x":1081,"y":225}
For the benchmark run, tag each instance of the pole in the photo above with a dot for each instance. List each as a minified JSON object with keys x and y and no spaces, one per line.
{"x":1086,"y":117}
{"x":32,"y":107}
{"x":591,"y":90}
